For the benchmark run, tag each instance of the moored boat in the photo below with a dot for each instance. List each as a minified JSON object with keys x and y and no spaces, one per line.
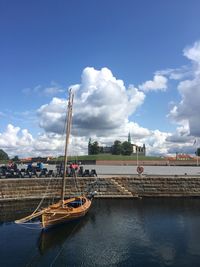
{"x":64,"y":210}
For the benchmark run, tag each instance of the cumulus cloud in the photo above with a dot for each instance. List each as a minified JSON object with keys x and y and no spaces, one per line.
{"x":50,"y":144}
{"x":102,"y":104}
{"x":53,"y":115}
{"x":16,"y":141}
{"x":102,"y":109}
{"x":181,"y":135}
{"x":156,"y":143}
{"x":188,"y":108}
{"x":159,"y":83}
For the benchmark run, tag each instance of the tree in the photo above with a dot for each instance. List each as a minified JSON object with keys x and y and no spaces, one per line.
{"x":94,"y":148}
{"x":16,"y":158}
{"x":3,"y":155}
{"x":198,"y":151}
{"x":127,"y":148}
{"x":117,"y":148}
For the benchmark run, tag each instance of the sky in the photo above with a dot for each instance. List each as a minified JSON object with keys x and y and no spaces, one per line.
{"x":133,"y":65}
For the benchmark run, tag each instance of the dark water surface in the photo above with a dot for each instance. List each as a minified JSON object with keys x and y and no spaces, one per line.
{"x":147,"y":232}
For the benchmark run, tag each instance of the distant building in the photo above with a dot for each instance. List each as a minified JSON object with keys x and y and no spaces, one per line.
{"x":183,"y":157}
{"x":24,"y":160}
{"x":129,"y":137}
{"x":106,"y":149}
{"x":180,"y":157}
{"x":137,"y":150}
{"x":36,"y":159}
{"x":89,"y":146}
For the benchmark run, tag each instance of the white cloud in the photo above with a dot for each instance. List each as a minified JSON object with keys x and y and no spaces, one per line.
{"x":156,"y":143}
{"x":52,"y":116}
{"x":16,"y":141}
{"x":102,"y":104}
{"x":159,"y":83}
{"x":188,"y":108}
{"x":193,"y":52}
{"x":9,"y":137}
{"x":181,"y":135}
{"x":102,"y":110}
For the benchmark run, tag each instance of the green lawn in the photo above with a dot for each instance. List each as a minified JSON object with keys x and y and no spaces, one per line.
{"x":110,"y":157}
{"x":101,"y":157}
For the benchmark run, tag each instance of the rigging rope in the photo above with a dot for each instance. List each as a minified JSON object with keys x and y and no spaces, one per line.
{"x":74,"y":146}
{"x":32,"y":228}
{"x":41,"y":201}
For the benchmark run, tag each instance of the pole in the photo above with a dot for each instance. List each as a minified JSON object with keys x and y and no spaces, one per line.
{"x":137,"y":154}
{"x":68,"y":129}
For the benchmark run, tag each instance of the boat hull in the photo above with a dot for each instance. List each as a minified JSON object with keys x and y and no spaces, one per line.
{"x":65,"y":212}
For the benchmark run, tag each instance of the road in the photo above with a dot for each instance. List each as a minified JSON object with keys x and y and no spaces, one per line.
{"x":149,"y":170}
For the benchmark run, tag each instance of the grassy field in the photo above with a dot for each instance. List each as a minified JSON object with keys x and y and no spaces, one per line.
{"x":111,"y":157}
{"x":99,"y":157}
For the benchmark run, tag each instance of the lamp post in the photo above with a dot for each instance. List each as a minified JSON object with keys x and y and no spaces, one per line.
{"x":197,"y":154}
{"x":137,"y":154}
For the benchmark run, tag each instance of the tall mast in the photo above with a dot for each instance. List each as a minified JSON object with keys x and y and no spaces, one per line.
{"x":68,"y":129}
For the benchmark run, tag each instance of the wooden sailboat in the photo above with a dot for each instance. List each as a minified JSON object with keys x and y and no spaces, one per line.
{"x":64,"y":210}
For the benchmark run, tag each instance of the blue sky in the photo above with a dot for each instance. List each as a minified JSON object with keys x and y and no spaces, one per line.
{"x":46,"y":46}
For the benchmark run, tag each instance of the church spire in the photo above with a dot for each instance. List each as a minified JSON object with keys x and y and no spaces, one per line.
{"x":129,"y":137}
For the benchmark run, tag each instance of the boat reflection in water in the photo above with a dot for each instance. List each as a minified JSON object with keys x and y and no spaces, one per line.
{"x":55,"y":237}
{"x":125,"y":233}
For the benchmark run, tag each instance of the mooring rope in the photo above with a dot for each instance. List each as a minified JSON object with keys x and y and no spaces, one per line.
{"x":24,"y":225}
{"x":41,"y":201}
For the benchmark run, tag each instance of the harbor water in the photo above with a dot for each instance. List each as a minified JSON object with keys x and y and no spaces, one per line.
{"x":115,"y":232}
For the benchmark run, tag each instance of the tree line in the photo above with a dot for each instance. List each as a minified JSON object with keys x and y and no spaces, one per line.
{"x":118,"y":148}
{"x":4,"y":156}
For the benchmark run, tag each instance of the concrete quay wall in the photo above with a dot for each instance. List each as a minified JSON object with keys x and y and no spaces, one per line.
{"x":163,"y":162}
{"x":107,"y":187}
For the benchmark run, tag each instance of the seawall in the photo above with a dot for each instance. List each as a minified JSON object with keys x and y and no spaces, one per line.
{"x":162,"y":162}
{"x":107,"y":187}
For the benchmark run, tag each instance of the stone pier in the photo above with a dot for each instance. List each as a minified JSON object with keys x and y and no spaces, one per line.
{"x":107,"y":187}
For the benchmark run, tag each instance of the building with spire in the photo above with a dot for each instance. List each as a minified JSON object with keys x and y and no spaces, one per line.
{"x":137,"y":150}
